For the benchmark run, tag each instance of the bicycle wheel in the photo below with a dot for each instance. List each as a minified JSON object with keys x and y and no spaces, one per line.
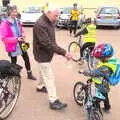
{"x":74,"y":48}
{"x":9,"y":96}
{"x":93,"y":115}
{"x":79,"y":93}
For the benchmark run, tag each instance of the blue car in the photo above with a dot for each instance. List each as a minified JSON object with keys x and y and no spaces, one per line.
{"x":108,"y":16}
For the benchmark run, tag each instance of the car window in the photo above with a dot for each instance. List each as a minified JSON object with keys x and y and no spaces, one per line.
{"x":66,"y":10}
{"x":109,"y":10}
{"x":32,"y":9}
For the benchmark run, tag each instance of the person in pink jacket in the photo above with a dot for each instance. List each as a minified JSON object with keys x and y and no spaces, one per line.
{"x":12,"y":35}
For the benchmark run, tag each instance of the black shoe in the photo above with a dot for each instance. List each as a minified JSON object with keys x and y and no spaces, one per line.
{"x":107,"y":110}
{"x":57,"y":105}
{"x":30,"y":76}
{"x":43,"y":89}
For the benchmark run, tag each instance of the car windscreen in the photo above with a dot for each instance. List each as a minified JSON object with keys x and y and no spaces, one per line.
{"x":32,"y":10}
{"x":66,"y":10}
{"x":109,"y":10}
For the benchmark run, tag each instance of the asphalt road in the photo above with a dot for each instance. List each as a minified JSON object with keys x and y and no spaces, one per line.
{"x":34,"y":106}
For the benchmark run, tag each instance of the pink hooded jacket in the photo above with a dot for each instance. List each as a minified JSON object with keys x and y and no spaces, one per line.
{"x":7,"y":35}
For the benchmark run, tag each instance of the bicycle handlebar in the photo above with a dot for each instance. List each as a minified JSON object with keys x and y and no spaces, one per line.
{"x":78,"y":34}
{"x":85,"y":73}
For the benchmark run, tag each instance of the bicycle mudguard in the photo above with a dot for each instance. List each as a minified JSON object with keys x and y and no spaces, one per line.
{"x":99,"y":95}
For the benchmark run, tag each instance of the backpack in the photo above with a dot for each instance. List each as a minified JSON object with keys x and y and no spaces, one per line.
{"x":8,"y":70}
{"x":115,"y":78}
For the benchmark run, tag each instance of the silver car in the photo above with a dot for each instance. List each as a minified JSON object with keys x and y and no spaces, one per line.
{"x":108,"y":16}
{"x":3,"y":13}
{"x":64,"y":18}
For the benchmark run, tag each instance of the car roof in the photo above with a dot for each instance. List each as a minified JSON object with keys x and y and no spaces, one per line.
{"x":101,"y":7}
{"x":29,"y":6}
{"x":107,"y":7}
{"x":66,"y":7}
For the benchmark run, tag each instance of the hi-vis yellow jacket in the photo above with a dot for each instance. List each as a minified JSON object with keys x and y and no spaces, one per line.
{"x":91,"y":36}
{"x":110,"y":65}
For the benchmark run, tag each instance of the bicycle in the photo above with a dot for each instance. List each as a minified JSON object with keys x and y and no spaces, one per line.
{"x":10,"y":84}
{"x":74,"y":48}
{"x":83,"y":97}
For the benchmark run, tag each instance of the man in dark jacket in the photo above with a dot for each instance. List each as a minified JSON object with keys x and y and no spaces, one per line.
{"x":44,"y":47}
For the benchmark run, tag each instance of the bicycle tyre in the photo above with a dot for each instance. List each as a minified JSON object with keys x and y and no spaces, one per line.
{"x":16,"y":91}
{"x":74,"y":48}
{"x":79,"y":95}
{"x":93,"y":115}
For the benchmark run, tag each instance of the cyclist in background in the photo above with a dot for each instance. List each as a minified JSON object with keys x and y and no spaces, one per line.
{"x":89,"y":37}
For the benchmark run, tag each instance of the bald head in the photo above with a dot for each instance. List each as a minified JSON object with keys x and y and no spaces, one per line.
{"x":52,"y":13}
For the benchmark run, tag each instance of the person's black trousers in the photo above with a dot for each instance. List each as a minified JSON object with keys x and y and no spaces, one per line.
{"x":25,"y":58}
{"x":73,"y":27}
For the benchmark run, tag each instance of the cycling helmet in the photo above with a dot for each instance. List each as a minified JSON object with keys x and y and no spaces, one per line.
{"x":24,"y":46}
{"x":103,"y":50}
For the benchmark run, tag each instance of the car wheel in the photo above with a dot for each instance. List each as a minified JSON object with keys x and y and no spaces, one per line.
{"x":115,"y":27}
{"x":97,"y":26}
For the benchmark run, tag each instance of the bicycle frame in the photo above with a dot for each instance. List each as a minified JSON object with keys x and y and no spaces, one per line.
{"x":80,"y":41}
{"x":89,"y":103}
{"x":88,"y":95}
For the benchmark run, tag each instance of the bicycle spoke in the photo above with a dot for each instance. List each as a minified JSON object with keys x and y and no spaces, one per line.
{"x":10,"y":96}
{"x":74,"y":48}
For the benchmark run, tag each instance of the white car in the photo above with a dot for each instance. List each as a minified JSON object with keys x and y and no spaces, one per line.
{"x":30,"y":15}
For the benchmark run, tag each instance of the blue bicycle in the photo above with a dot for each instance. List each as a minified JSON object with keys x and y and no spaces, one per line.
{"x":83,"y":96}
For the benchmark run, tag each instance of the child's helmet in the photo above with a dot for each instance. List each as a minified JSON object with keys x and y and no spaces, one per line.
{"x":103,"y":50}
